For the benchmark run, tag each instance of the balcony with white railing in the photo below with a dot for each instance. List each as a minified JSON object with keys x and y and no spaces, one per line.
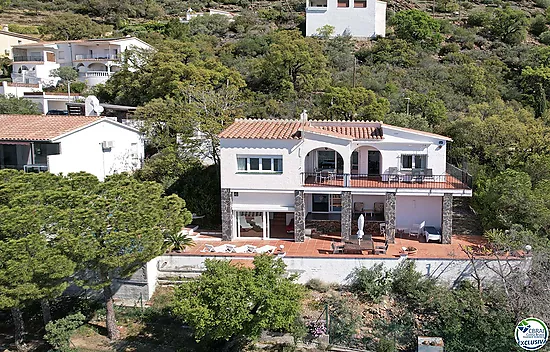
{"x":97,"y":57}
{"x":93,"y":78}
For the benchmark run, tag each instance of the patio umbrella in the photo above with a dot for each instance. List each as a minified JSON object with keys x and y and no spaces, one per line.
{"x":360,"y":226}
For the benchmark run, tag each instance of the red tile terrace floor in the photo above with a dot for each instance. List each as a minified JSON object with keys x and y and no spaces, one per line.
{"x":320,"y":247}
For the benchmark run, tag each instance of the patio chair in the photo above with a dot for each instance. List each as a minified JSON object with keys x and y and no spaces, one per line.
{"x":429,"y":174}
{"x":337,"y":248}
{"x":208,"y":248}
{"x":244,"y":224}
{"x":358,"y":207}
{"x":417,"y":175}
{"x":381,"y":249}
{"x":393,"y":174}
{"x":417,"y":229}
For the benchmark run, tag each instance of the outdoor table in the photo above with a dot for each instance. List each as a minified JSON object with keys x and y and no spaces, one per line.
{"x":356,"y":247}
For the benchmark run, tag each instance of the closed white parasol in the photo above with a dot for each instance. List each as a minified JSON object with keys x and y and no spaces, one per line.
{"x":360,"y":226}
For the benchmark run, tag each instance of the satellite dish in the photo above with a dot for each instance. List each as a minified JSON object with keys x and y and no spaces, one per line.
{"x":92,"y":107}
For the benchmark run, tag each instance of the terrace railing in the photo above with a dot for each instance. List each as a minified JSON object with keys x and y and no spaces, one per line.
{"x":79,"y":57}
{"x":445,"y":181}
{"x":461,"y":175}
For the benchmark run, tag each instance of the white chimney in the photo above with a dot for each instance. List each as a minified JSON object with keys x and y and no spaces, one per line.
{"x":303,"y":116}
{"x":5,"y":28}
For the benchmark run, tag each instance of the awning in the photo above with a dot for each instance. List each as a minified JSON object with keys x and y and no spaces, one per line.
{"x":263,"y":207}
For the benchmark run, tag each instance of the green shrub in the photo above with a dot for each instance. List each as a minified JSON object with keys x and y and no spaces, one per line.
{"x":317,"y":285}
{"x":17,"y":28}
{"x":479,"y":18}
{"x":386,"y":345}
{"x":405,"y":278}
{"x":371,"y":283}
{"x":59,"y":332}
{"x":545,"y":38}
{"x":449,"y":48}
{"x":542,"y":3}
{"x":538,"y":25}
{"x":344,"y":318}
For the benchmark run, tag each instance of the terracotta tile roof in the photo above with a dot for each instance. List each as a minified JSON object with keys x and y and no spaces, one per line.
{"x":289,"y":129}
{"x":40,"y":127}
{"x":262,"y":129}
{"x":355,"y":132}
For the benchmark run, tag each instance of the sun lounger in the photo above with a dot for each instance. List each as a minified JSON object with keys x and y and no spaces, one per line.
{"x":266,"y":249}
{"x":224,"y":248}
{"x":245,"y":249}
{"x":208,"y":248}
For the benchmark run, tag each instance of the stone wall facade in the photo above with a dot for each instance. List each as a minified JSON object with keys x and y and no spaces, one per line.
{"x":447,"y":219}
{"x":299,"y":216}
{"x":389,"y":215}
{"x":227,"y":214}
{"x":346,"y":215}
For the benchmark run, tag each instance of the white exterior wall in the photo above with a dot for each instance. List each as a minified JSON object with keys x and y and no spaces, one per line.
{"x":411,"y":210}
{"x":7,"y":40}
{"x":264,"y":201}
{"x":289,"y":179}
{"x":359,"y":22}
{"x":7,"y":89}
{"x":82,"y":150}
{"x":296,"y":160}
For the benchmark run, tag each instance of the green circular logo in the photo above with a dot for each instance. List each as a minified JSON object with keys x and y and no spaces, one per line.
{"x":531,"y":334}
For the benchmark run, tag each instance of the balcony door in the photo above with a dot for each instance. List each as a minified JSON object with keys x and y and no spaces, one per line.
{"x":374,"y":163}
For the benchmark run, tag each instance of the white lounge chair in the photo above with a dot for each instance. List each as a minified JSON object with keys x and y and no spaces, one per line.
{"x":266,"y":249}
{"x":243,"y":223}
{"x":224,"y":248}
{"x":417,"y":229}
{"x":244,"y":249}
{"x":208,"y":248}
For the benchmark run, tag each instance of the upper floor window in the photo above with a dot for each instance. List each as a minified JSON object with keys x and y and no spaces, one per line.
{"x":360,"y":3}
{"x":343,"y":3}
{"x":260,"y":164}
{"x":61,"y":55}
{"x":413,"y":161}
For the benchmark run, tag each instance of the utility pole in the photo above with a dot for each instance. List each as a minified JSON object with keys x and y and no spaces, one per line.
{"x":354,"y":69}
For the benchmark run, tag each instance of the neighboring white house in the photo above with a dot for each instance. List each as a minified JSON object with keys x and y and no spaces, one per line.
{"x":63,"y":144}
{"x":324,"y":173}
{"x":359,"y":18}
{"x":190,"y":14}
{"x":9,"y":39}
{"x":95,"y":59}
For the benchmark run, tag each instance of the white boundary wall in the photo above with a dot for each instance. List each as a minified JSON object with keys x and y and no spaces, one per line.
{"x":337,"y":270}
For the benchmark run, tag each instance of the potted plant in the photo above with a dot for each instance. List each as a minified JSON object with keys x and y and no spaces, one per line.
{"x":409,"y":250}
{"x":178,"y":242}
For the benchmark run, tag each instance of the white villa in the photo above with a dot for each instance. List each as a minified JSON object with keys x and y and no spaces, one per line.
{"x":64,"y":144}
{"x":95,"y":59}
{"x":360,"y":18}
{"x":283,"y":176}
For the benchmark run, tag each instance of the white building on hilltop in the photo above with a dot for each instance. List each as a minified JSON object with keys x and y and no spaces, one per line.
{"x":360,"y":18}
{"x":95,"y":59}
{"x":64,"y":144}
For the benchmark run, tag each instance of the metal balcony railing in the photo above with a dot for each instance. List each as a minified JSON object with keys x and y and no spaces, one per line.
{"x":410,"y":180}
{"x":35,"y":168}
{"x":20,"y":58}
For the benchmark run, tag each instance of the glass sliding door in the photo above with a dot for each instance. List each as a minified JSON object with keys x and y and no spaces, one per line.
{"x":251,"y":224}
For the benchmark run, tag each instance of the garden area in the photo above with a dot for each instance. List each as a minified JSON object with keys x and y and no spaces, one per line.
{"x":236,"y":308}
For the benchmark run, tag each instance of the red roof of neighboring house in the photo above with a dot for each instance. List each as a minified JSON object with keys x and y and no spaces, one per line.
{"x":40,"y":127}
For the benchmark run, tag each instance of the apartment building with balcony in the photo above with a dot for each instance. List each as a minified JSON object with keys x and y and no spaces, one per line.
{"x":281,"y":176}
{"x":359,"y":18}
{"x":95,"y":59}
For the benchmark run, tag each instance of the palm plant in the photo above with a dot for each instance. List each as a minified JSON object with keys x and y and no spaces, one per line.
{"x":178,"y":242}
